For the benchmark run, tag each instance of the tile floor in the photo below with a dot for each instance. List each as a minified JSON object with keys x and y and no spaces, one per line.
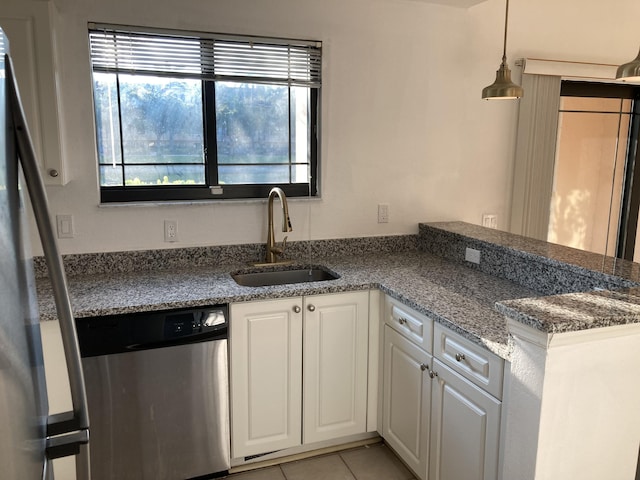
{"x":372,"y":462}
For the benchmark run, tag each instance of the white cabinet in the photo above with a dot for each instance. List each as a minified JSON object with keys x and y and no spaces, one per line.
{"x":266,"y":375}
{"x":441,"y":413}
{"x":335,"y":358}
{"x":406,"y":399}
{"x":30,"y":27}
{"x":269,"y":388}
{"x":465,"y":424}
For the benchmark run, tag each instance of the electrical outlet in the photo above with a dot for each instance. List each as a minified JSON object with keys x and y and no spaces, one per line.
{"x":170,"y":230}
{"x":472,"y":255}
{"x":383,"y":213}
{"x":490,"y":220}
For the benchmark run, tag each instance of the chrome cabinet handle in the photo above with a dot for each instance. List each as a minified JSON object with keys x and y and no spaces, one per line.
{"x":423,"y":367}
{"x":460,"y":357}
{"x":311,"y":308}
{"x":433,"y":374}
{"x":296,"y":309}
{"x":402,"y":320}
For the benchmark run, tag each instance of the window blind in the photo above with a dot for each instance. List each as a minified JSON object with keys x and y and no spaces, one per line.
{"x":4,"y":48}
{"x":205,"y":56}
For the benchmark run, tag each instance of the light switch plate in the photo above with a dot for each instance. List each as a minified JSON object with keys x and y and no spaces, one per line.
{"x":383,"y":213}
{"x":64,"y":226}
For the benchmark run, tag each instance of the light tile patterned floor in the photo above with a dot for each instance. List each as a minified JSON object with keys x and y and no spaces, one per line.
{"x":373,"y":462}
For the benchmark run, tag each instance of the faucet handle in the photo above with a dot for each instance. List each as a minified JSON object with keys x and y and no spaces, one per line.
{"x":280,"y":250}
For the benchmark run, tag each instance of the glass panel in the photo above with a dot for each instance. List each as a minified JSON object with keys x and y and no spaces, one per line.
{"x":588,"y":180}
{"x":595,"y":104}
{"x":300,"y":127}
{"x":252,"y":124}
{"x":300,"y":173}
{"x":161,"y":124}
{"x":165,"y":174}
{"x":255,"y":174}
{"x":107,"y":119}
{"x":111,"y":175}
{"x":161,"y":120}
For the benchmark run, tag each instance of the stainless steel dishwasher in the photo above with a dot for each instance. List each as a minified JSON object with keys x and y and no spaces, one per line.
{"x":157,"y":389}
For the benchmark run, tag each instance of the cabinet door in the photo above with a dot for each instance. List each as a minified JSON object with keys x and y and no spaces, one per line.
{"x":30,"y":27}
{"x":266,"y":376}
{"x":335,"y":365}
{"x":465,"y":425}
{"x":406,"y":400}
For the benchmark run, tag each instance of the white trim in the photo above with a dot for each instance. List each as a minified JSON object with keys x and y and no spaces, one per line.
{"x":527,"y":333}
{"x":593,"y":335}
{"x":560,"y":68}
{"x":548,"y":341}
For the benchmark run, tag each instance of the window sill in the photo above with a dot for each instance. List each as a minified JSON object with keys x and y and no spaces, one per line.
{"x":188,"y":203}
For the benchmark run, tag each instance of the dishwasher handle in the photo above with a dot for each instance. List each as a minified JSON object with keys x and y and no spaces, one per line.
{"x":217,"y":334}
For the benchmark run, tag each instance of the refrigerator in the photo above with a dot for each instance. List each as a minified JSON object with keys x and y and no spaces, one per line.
{"x":30,"y":438}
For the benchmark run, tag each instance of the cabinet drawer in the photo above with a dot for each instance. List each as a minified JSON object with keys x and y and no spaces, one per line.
{"x":472,"y":361}
{"x":415,"y":326}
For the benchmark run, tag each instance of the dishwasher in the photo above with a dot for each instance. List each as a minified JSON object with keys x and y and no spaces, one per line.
{"x":158,"y":394}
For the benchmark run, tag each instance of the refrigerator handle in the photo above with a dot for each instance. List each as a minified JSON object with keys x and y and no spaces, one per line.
{"x":78,"y":420}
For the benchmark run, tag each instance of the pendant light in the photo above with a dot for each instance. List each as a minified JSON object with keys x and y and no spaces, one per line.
{"x":629,"y":72}
{"x":503,"y":88}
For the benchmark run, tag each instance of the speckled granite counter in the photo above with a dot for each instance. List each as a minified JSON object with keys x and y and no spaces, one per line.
{"x":460,"y":297}
{"x":575,"y":311}
{"x":517,"y":277}
{"x":572,"y":280}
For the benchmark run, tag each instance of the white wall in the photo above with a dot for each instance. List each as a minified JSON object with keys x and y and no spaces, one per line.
{"x":403,"y":122}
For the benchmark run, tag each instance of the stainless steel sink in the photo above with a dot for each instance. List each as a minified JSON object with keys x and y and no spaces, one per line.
{"x":283,"y":277}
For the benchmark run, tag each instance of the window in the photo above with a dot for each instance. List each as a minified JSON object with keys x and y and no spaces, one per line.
{"x":184,"y":116}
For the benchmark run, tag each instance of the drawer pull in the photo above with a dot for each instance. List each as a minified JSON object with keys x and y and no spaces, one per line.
{"x":423,"y":367}
{"x":402,"y":321}
{"x":296,"y":309}
{"x":460,"y":357}
{"x":433,"y":374}
{"x":311,"y":308}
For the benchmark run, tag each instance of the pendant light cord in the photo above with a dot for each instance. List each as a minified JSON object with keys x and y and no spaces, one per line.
{"x":506,"y":22}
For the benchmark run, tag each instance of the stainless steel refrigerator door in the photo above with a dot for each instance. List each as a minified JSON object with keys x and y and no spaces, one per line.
{"x":23,"y":403}
{"x":159,"y":414}
{"x":28,"y":437}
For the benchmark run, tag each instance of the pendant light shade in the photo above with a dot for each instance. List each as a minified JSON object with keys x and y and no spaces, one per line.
{"x":503,"y":88}
{"x":629,"y":72}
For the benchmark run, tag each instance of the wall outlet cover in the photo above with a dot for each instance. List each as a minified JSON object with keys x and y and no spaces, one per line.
{"x":472,"y":255}
{"x":170,"y":230}
{"x":383,"y":213}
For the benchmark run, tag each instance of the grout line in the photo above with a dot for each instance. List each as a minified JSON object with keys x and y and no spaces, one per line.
{"x":347,"y":465}
{"x":284,"y":475}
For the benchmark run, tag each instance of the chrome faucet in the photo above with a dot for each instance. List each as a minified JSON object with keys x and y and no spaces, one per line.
{"x":272,"y":250}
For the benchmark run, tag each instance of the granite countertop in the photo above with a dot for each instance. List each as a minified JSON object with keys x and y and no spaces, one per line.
{"x":575,"y":311}
{"x":551,"y":288}
{"x":459,"y":297}
{"x":579,"y":290}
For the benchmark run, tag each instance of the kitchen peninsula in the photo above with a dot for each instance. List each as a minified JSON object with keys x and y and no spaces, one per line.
{"x":565,"y":323}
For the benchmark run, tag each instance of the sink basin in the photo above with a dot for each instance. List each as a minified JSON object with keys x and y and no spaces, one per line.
{"x":283,"y":277}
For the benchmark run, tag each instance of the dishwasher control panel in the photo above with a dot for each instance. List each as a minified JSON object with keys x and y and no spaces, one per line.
{"x":111,"y":334}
